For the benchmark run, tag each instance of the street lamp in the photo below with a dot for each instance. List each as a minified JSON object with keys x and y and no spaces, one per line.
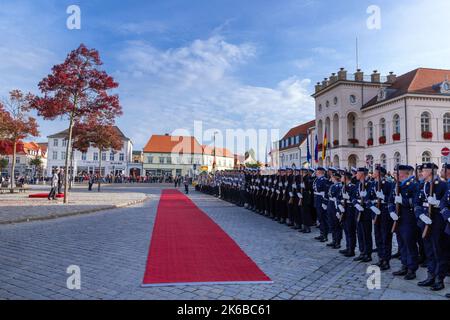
{"x":300,"y":154}
{"x":214,"y":152}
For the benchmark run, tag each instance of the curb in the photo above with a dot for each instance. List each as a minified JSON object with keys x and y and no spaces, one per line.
{"x":75,"y":213}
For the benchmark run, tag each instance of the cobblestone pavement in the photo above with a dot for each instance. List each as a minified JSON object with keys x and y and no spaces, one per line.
{"x":19,"y":207}
{"x":111,"y":249}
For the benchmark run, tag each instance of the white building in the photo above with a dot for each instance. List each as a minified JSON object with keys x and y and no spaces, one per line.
{"x":373,"y":120}
{"x":26,"y":152}
{"x":88,"y":162}
{"x":181,"y":155}
{"x":292,"y":148}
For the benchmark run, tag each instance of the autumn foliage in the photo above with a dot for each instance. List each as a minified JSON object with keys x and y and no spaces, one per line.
{"x":15,"y":125}
{"x":77,"y":90}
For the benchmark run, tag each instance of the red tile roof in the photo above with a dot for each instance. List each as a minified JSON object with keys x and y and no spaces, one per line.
{"x":173,"y":144}
{"x":220,"y":152}
{"x":300,"y":130}
{"x":418,"y":81}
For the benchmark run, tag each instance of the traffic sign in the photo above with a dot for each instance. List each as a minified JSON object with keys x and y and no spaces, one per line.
{"x":445,"y":159}
{"x":445,"y":151}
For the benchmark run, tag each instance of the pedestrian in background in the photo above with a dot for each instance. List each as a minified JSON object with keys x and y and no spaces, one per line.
{"x":54,"y":185}
{"x":186,"y":184}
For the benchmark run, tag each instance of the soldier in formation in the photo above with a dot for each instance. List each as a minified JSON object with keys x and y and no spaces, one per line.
{"x":352,"y":206}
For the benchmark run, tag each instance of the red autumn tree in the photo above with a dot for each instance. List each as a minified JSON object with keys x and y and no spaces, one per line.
{"x":102,"y":136}
{"x":16,"y":124}
{"x":76,"y":90}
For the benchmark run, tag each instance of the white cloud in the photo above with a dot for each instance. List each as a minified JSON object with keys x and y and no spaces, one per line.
{"x":169,"y":89}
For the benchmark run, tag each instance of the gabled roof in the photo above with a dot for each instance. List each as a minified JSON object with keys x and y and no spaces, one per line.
{"x":173,"y":144}
{"x":301,"y":129}
{"x":418,"y":81}
{"x":220,"y":152}
{"x":65,"y":133}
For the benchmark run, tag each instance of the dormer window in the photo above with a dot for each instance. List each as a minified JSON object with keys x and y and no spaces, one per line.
{"x":381,"y":94}
{"x":445,"y":87}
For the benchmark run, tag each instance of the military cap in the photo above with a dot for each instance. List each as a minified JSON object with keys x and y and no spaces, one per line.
{"x":332,"y":169}
{"x":404,"y":167}
{"x":363,"y":169}
{"x":348,"y":174}
{"x":354,"y":170}
{"x":381,"y":169}
{"x":429,"y":165}
{"x":320,"y":168}
{"x":446,"y":165}
{"x":337,"y":175}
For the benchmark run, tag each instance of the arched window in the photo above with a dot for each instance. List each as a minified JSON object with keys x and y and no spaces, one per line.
{"x":370,"y":130}
{"x":396,"y":124}
{"x":382,"y":127}
{"x":352,"y":126}
{"x":426,"y":156}
{"x":383,"y":160}
{"x":425,"y":122}
{"x":447,"y":122}
{"x":397,"y":158}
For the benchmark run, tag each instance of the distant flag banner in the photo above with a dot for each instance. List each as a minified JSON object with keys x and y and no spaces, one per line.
{"x":308,"y":152}
{"x":316,"y":150}
{"x":324,"y":145}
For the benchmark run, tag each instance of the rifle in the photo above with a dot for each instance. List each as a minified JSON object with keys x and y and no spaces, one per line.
{"x":427,"y":229}
{"x":397,"y":205}
{"x":362,"y":198}
{"x":291,"y":199}
{"x":375,"y":220}
{"x":301,"y":189}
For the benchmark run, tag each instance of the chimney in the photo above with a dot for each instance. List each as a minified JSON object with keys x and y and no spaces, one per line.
{"x":324,"y":82}
{"x":359,"y":75}
{"x":318,"y":87}
{"x":342,"y":74}
{"x":375,"y":76}
{"x":333,"y":78}
{"x":391,"y":77}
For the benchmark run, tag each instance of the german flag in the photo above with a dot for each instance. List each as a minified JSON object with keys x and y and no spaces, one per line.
{"x":324,"y":145}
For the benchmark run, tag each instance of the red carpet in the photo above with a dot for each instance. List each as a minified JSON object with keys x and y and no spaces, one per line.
{"x":188,"y":247}
{"x":44,"y":195}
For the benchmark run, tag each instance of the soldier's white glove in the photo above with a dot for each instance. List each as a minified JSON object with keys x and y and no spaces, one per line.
{"x":338,"y":215}
{"x":359,"y":207}
{"x":273,"y":189}
{"x":302,"y":185}
{"x":291,"y":194}
{"x":341,"y":208}
{"x":324,"y":206}
{"x":448,"y":220}
{"x":394,"y":216}
{"x":399,"y":199}
{"x":299,"y":195}
{"x":322,"y":194}
{"x":294,"y":186}
{"x":280,"y":184}
{"x":278,"y":191}
{"x":380,"y":195}
{"x":375,"y":210}
{"x":363,"y":194}
{"x":425,"y":219}
{"x":345,"y":196}
{"x":433,"y":201}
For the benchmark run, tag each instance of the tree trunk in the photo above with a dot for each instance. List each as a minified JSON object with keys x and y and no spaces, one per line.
{"x":13,"y":166}
{"x":68,"y":153}
{"x":99,"y":168}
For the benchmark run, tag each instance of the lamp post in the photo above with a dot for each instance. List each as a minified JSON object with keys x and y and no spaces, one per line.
{"x":214,"y":152}
{"x":300,"y":156}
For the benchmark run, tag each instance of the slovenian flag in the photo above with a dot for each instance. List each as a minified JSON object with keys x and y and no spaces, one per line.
{"x":324,"y":145}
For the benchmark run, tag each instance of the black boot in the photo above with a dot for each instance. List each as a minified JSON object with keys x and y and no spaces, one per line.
{"x":411,"y":275}
{"x":331,"y":244}
{"x":367,"y":258}
{"x":337,"y":245}
{"x":307,"y":229}
{"x":438,"y":285}
{"x":349,"y":254}
{"x":447,"y":295}
{"x":343,"y":251}
{"x":385,"y":265}
{"x":428,"y":282}
{"x":396,"y":256}
{"x":359,"y":258}
{"x":318,"y":238}
{"x":402,"y":272}
{"x":324,"y":239}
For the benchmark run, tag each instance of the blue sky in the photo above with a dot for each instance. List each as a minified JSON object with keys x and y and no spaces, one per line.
{"x":231,"y":64}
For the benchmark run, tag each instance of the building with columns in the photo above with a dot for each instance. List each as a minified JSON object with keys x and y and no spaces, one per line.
{"x":384,"y":120}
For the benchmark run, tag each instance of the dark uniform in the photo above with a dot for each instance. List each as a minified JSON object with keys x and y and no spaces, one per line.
{"x":348,"y":216}
{"x":427,"y":211}
{"x":320,"y":187}
{"x":407,"y":224}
